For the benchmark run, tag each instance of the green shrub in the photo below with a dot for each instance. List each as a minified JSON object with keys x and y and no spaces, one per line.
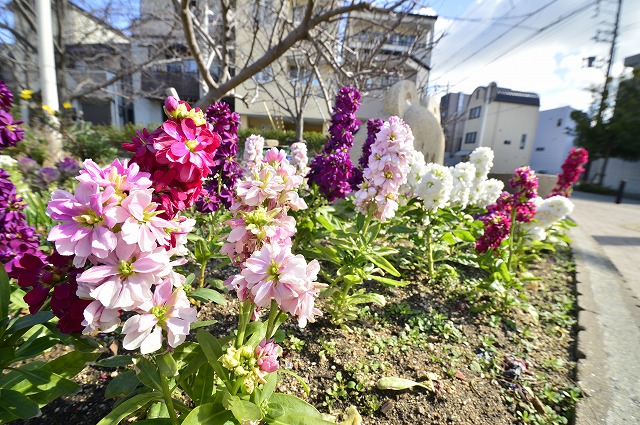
{"x":315,"y":140}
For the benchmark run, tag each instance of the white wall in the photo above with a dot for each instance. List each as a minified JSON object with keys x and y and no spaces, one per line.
{"x":617,"y":170}
{"x":552,"y":143}
{"x":146,"y":111}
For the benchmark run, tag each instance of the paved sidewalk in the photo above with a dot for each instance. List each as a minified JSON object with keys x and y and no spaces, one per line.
{"x":606,"y":245}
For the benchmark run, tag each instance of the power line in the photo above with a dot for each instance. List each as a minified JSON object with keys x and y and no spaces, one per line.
{"x":514,"y":26}
{"x":538,"y":32}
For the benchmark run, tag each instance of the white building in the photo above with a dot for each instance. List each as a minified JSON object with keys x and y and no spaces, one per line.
{"x":553,"y":140}
{"x":504,"y":120}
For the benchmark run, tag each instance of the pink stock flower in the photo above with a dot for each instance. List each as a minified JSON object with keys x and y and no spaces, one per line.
{"x":260,"y":186}
{"x":126,"y":277}
{"x":122,"y":176}
{"x":274,"y":273}
{"x":168,"y":311}
{"x":87,"y":219}
{"x":267,"y":353}
{"x":188,"y":148}
{"x":140,"y":222}
{"x":99,"y":318}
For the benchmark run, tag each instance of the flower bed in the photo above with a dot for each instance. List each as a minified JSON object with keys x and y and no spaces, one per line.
{"x":417,"y":292}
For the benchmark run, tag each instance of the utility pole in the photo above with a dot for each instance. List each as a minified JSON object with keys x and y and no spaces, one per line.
{"x":605,"y":96}
{"x":48,"y":81}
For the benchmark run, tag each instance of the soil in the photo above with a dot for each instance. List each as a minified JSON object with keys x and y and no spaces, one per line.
{"x":482,"y":367}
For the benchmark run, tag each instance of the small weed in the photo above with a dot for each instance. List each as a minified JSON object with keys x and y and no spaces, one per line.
{"x":294,"y":343}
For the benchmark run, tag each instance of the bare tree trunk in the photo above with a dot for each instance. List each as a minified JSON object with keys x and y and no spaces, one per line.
{"x":300,"y":126}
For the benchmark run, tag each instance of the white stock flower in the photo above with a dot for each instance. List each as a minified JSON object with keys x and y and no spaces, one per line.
{"x":487,"y":192}
{"x":253,"y":150}
{"x":553,"y":209}
{"x":435,"y":186}
{"x":299,"y":158}
{"x":7,"y":162}
{"x":482,"y":159}
{"x":418,"y":165}
{"x":463,"y":178}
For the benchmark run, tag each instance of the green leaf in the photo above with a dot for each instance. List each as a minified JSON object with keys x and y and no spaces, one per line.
{"x":167,"y":365}
{"x":35,"y":347}
{"x":116,"y":361}
{"x":155,"y":421}
{"x":383,"y":264}
{"x":30,"y":320}
{"x":122,"y":385}
{"x":43,"y":386}
{"x":504,"y":271}
{"x":246,"y":411}
{"x":202,"y":324}
{"x":148,"y":373}
{"x":203,"y":386}
{"x":465,"y":235}
{"x":391,"y":282}
{"x":299,"y":378}
{"x":212,"y":350}
{"x":5,"y":293}
{"x":366,"y":298}
{"x":70,"y":364}
{"x":208,"y":295}
{"x":268,"y":388}
{"x":210,"y":414}
{"x":448,"y":238}
{"x":15,"y":405}
{"x":296,"y":411}
{"x":325,"y":223}
{"x":129,"y":406}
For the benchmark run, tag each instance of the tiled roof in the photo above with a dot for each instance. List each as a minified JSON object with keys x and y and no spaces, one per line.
{"x":512,"y":96}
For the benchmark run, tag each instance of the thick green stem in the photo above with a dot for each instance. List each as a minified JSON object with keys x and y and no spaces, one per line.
{"x":274,"y":314}
{"x":243,"y":321}
{"x":166,"y":393}
{"x":203,"y":269}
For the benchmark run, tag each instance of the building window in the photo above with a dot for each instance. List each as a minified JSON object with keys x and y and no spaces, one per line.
{"x":264,"y":76}
{"x":474,"y":112}
{"x":507,"y":142}
{"x":523,"y":141}
{"x":559,"y":122}
{"x":470,"y":137}
{"x":539,"y":149}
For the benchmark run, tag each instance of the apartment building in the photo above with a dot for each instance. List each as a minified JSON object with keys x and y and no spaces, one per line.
{"x":504,"y":120}
{"x":553,"y":140}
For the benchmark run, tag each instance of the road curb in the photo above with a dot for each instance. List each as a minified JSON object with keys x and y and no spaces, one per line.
{"x":607,"y":337}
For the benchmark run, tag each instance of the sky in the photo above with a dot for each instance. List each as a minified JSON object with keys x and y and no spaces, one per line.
{"x":531,"y":45}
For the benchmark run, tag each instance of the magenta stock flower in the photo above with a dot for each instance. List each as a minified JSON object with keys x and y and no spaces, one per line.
{"x":187,"y":148}
{"x":571,"y":170}
{"x":10,"y":131}
{"x":497,"y":228}
{"x":168,"y":311}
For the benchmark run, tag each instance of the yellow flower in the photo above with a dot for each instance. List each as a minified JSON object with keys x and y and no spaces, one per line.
{"x":26,"y":94}
{"x":66,"y":105}
{"x":48,"y":109}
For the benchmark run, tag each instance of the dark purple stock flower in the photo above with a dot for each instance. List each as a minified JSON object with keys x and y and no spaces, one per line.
{"x":6,"y":97}
{"x":10,"y":131}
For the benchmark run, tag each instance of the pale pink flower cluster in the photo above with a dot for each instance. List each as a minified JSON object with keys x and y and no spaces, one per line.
{"x":388,"y":167}
{"x":111,"y":225}
{"x":299,"y":158}
{"x":253,"y":147}
{"x":260,"y":212}
{"x":260,"y":241}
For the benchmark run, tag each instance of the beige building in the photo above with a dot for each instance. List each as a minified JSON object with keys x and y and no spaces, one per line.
{"x":504,"y":120}
{"x":383,"y":49}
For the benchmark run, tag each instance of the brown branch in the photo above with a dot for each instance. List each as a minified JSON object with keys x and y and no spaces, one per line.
{"x":295,"y":35}
{"x":190,"y":37}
